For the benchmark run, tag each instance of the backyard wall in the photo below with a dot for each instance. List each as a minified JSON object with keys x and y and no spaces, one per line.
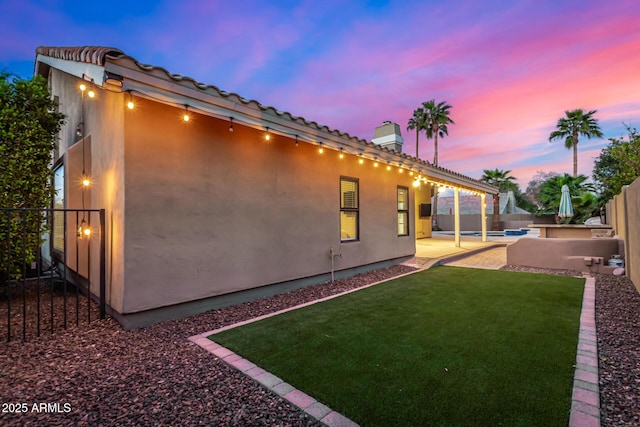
{"x":564,"y":254}
{"x":472,"y":222}
{"x":623,"y":214}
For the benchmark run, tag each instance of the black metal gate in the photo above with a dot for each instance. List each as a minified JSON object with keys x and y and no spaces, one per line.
{"x":48,"y":277}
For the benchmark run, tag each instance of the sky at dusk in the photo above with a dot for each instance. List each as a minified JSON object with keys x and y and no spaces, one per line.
{"x":509,"y":69}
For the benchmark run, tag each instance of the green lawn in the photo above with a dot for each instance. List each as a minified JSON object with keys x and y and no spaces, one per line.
{"x":446,"y":346}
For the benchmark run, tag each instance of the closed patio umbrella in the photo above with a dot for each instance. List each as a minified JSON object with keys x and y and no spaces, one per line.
{"x":566,"y":207}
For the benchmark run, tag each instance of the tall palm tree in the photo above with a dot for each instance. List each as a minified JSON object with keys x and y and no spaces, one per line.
{"x":417,"y":122}
{"x":504,"y":182}
{"x":575,"y":123}
{"x":436,"y":121}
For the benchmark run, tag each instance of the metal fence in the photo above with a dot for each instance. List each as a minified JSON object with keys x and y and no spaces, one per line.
{"x":49,"y":277}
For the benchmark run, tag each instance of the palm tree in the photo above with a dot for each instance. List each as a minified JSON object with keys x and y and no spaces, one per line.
{"x":581,"y":192}
{"x":417,"y":122}
{"x":504,"y":182}
{"x":435,"y":123}
{"x":576,"y":122}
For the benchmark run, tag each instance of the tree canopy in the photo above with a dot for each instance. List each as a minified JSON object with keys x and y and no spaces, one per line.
{"x":29,"y":124}
{"x":617,"y":165}
{"x":582,"y":196}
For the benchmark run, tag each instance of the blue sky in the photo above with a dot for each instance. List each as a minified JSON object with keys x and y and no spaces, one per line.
{"x":509,"y":69}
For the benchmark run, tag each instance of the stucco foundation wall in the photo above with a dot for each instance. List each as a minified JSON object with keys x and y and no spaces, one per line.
{"x":563,"y":253}
{"x":623,"y":214}
{"x":209,"y":212}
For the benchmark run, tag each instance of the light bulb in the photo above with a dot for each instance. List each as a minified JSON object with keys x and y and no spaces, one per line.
{"x":87,"y":232}
{"x":400,"y":170}
{"x":341,"y":156}
{"x":185,"y":117}
{"x":91,"y":94}
{"x":361,"y":161}
{"x":375,"y":165}
{"x":388,"y":168}
{"x":130,"y":105}
{"x":86,"y":182}
{"x":320,"y":150}
{"x":83,"y":87}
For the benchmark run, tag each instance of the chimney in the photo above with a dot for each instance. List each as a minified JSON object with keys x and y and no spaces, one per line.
{"x":388,"y":136}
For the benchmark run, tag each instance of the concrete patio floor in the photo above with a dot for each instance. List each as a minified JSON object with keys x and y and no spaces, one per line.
{"x":441,"y":249}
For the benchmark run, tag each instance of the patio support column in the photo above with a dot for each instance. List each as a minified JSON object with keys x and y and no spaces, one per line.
{"x":456,"y":210}
{"x":483,"y":215}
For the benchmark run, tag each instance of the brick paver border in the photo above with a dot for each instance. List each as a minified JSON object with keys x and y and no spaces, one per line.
{"x":285,"y":390}
{"x":585,"y":400}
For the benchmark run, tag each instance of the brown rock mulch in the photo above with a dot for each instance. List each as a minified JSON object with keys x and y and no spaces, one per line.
{"x":618,"y":331}
{"x":101,"y":375}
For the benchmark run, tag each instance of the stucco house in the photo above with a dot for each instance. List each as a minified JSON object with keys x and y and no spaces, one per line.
{"x":213,"y":199}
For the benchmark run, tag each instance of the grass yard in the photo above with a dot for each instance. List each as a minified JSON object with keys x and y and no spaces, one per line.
{"x":446,"y":346}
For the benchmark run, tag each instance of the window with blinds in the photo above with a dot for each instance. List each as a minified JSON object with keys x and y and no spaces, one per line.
{"x":403,"y":211}
{"x":349,"y":209}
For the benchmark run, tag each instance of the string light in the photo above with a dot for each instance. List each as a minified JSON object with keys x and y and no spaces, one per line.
{"x":186,"y":117}
{"x":130,"y":104}
{"x":86,"y":181}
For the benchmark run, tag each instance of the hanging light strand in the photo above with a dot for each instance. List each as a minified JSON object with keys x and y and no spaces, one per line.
{"x":361,"y":157}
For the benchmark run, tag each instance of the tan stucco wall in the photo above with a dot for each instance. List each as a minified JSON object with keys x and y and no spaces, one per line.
{"x":623,"y":213}
{"x":563,"y":253}
{"x":210,"y":212}
{"x":422,"y":195}
{"x":105,"y":163}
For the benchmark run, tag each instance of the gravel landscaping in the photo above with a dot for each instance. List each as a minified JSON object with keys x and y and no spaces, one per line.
{"x":618,"y":330}
{"x":99,"y":374}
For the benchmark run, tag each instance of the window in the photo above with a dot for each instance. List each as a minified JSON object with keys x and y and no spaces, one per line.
{"x":403,"y":211}
{"x":349,"y":209}
{"x":58,"y":203}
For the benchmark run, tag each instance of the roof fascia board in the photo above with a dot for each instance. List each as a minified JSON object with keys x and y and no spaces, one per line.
{"x":81,"y":70}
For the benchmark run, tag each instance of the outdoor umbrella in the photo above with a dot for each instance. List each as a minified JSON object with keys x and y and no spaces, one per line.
{"x":566,"y":208}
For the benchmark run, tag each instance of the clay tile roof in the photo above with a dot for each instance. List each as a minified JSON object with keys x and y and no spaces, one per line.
{"x":97,"y":54}
{"x":91,"y":54}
